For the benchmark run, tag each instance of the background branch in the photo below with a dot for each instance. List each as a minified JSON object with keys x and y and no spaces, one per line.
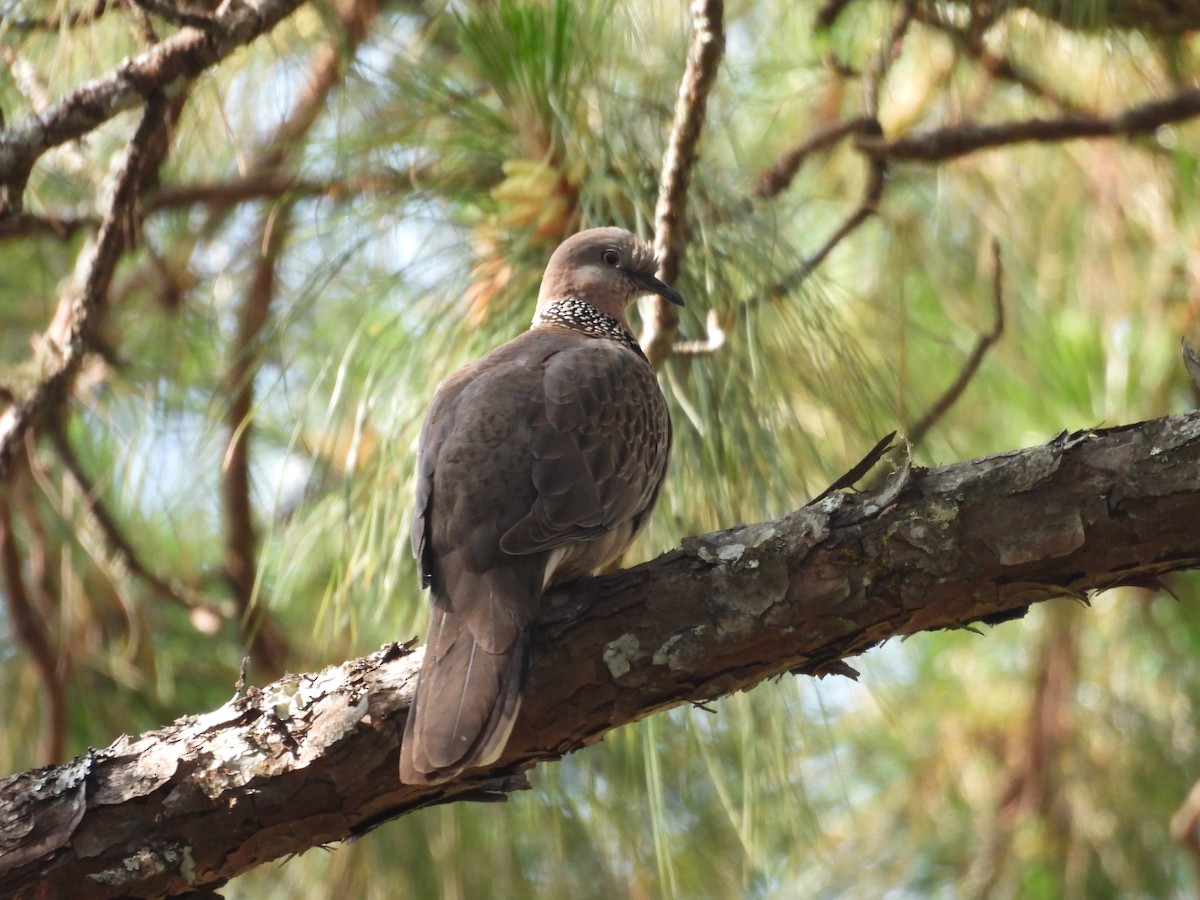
{"x":325,"y":71}
{"x":266,"y":186}
{"x":161,"y":68}
{"x":30,"y":628}
{"x":942,"y":144}
{"x":267,"y":645}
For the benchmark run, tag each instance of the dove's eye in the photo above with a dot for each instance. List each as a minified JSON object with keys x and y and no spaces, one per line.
{"x":611,"y":258}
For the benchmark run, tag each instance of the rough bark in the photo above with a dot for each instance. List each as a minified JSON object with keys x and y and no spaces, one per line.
{"x":311,"y":759}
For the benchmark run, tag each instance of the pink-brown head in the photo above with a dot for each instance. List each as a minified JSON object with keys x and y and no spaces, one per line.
{"x":606,"y":268}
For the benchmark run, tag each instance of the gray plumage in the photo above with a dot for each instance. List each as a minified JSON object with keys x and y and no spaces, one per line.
{"x":537,"y":464}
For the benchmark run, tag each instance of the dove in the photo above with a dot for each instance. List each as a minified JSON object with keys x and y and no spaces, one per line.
{"x":537,"y":464}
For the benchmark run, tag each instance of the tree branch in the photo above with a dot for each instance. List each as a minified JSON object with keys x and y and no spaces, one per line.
{"x":79,"y":310}
{"x":312,"y":758}
{"x":63,"y":228}
{"x":704,"y":58}
{"x":1172,"y":19}
{"x":970,"y":40}
{"x":985,"y":341}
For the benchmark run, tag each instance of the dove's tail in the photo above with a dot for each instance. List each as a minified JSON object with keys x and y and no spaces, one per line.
{"x":466,"y":703}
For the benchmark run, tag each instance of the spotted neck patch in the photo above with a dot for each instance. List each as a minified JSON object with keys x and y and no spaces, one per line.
{"x":580,"y":316}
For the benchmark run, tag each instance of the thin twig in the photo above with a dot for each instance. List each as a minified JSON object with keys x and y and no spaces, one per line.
{"x":120,"y":550}
{"x":30,"y":629}
{"x":775,"y":180}
{"x":704,"y":59}
{"x":713,"y":341}
{"x":867,"y":207}
{"x":1191,"y":362}
{"x":951,"y":142}
{"x":80,"y":310}
{"x":984,"y":343}
{"x":859,"y":470}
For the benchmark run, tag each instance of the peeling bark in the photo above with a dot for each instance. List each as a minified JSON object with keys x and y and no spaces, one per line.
{"x":311,"y":759}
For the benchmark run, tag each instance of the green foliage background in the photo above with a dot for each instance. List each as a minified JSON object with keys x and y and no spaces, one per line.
{"x":1043,"y":758}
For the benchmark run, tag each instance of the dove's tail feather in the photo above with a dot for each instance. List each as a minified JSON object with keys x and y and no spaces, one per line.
{"x":466,"y":703}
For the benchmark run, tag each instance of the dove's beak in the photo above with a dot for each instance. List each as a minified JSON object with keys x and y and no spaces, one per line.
{"x":664,"y":290}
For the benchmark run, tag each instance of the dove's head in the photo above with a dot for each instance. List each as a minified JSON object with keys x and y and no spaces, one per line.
{"x":606,"y":268}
